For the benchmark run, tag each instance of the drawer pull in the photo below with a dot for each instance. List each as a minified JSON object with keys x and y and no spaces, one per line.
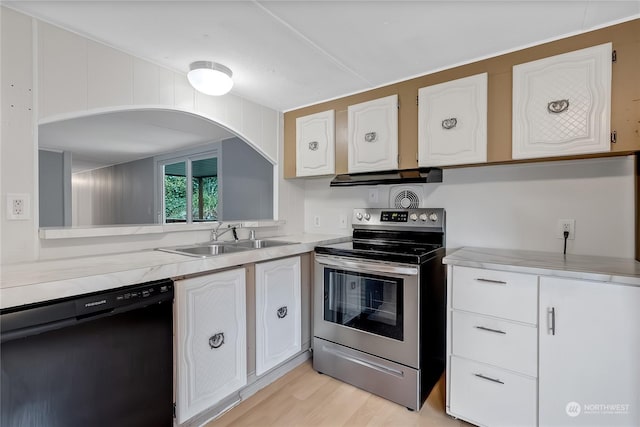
{"x":551,"y":312}
{"x":484,"y":328}
{"x":488,"y":378}
{"x":495,"y":282}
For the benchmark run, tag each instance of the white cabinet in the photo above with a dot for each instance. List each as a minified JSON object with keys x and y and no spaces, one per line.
{"x":562,"y":104}
{"x":315,"y":144}
{"x":452,"y":122}
{"x":492,"y":346}
{"x":211,"y":345}
{"x":589,"y":353}
{"x":373,"y":135}
{"x":278,"y":312}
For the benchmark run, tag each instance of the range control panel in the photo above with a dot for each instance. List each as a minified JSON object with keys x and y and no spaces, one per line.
{"x":382,"y":218}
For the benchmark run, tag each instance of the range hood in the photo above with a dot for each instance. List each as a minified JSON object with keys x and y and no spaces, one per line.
{"x":407,"y":176}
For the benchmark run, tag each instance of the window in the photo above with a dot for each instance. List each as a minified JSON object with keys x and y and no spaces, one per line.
{"x":190,"y":188}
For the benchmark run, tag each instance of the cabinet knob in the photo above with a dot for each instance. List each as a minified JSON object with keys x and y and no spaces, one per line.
{"x":559,"y":106}
{"x":371,"y":136}
{"x":282,"y":312}
{"x":216,"y":340}
{"x":313,"y":145}
{"x":449,"y":123}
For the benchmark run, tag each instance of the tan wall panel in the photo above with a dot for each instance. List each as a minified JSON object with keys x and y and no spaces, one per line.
{"x":341,"y":141}
{"x":637,"y":195}
{"x":625,"y":109}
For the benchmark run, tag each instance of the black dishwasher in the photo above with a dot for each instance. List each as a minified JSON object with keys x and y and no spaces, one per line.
{"x":99,"y":359}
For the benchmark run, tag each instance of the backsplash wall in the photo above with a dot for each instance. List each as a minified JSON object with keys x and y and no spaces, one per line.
{"x":510,"y":206}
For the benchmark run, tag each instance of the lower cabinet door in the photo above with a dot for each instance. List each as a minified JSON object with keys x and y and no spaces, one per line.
{"x":589,"y":353}
{"x":278,"y":316}
{"x":490,"y":396}
{"x":211,"y":344}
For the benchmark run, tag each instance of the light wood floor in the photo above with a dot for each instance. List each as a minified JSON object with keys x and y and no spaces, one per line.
{"x":305,"y":398}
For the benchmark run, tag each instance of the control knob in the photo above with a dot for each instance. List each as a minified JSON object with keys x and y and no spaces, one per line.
{"x":423,"y":217}
{"x":359,"y":216}
{"x":413,"y":217}
{"x":367,"y":216}
{"x":433,"y":217}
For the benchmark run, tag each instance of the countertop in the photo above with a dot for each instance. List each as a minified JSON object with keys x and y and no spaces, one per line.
{"x":27,"y":283}
{"x":624,"y":271}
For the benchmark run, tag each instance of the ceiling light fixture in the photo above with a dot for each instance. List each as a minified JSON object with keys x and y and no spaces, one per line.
{"x":210,"y":78}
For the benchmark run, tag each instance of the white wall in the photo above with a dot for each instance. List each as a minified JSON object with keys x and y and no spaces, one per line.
{"x":512,"y":206}
{"x":36,"y":52}
{"x":18,"y":152}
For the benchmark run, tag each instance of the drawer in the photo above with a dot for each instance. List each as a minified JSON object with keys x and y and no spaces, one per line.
{"x":490,"y":396}
{"x":496,"y":342}
{"x":512,"y":296}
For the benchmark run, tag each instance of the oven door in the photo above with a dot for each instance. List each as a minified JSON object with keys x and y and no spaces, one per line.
{"x":369,"y":306}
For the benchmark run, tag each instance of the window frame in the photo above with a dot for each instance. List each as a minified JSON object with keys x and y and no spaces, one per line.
{"x":187,"y":156}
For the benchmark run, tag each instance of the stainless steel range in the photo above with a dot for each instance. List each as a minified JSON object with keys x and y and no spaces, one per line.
{"x":379,"y":304}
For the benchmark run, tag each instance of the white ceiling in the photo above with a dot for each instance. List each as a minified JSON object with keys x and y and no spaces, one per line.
{"x":287,"y":54}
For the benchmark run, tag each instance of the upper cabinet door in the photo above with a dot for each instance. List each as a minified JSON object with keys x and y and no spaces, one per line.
{"x":452,"y":122}
{"x":562,"y":104}
{"x":373,"y":135}
{"x":315,"y":144}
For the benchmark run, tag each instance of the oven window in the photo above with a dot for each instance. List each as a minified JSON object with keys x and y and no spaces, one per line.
{"x":363,"y":301}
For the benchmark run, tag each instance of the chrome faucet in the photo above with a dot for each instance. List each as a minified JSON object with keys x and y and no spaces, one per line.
{"x":230,"y":227}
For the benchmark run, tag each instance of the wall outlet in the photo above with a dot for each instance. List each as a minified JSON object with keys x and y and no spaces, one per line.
{"x":373,"y":195}
{"x":316,"y":221}
{"x":342,"y":221}
{"x":18,"y":206}
{"x":566,"y":225}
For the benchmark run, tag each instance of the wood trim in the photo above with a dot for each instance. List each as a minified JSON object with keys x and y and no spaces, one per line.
{"x":625,"y":99}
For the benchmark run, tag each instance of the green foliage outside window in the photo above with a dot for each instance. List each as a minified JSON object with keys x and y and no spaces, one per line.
{"x":175,"y":198}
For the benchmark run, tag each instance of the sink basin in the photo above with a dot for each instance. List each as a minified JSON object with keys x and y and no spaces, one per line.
{"x":212,"y":249}
{"x":261,"y":243}
{"x":205,"y":250}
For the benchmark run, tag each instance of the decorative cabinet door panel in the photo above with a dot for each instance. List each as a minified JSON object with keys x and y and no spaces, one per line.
{"x":278,"y":315}
{"x":211,"y":343}
{"x":562,"y":104}
{"x":315,"y":144}
{"x":452,"y":122}
{"x":373,"y":135}
{"x":589,"y":340}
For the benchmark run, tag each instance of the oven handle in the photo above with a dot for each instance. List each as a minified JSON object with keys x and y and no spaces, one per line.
{"x":373,"y":267}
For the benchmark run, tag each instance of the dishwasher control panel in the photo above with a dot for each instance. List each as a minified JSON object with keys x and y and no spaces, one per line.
{"x":123,"y":297}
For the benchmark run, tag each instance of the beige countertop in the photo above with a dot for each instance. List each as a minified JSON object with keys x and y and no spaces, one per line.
{"x":624,"y":271}
{"x":27,"y":283}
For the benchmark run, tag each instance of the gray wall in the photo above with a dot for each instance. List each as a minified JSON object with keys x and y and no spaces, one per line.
{"x":54,"y":175}
{"x":119,"y":194}
{"x":246,"y":182}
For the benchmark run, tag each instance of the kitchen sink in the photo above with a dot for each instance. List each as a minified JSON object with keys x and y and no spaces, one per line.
{"x":212,"y":249}
{"x":204,"y":250}
{"x":261,"y":243}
